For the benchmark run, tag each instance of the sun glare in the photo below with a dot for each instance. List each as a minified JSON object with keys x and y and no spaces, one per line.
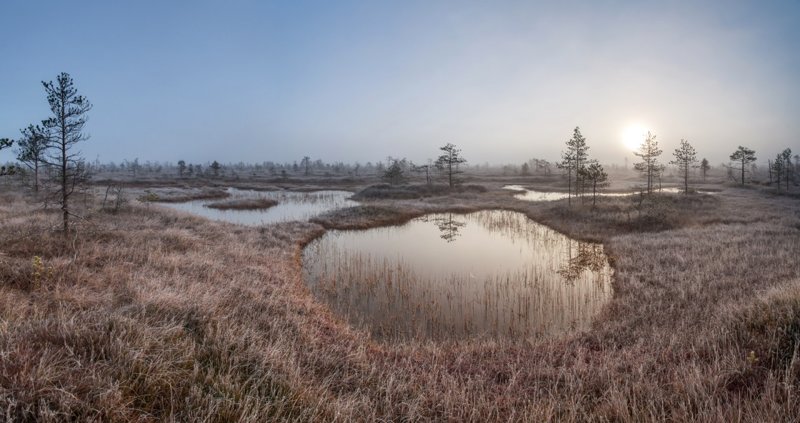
{"x":633,"y":136}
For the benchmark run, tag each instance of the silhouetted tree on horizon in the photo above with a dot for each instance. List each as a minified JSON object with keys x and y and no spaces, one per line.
{"x":744,"y":156}
{"x":649,"y":165}
{"x":704,"y":167}
{"x":595,"y":175}
{"x":426,"y":168}
{"x":215,"y":167}
{"x":685,"y":158}
{"x":781,"y":168}
{"x":567,"y":163}
{"x":395,"y":173}
{"x":449,"y":162}
{"x":573,"y":159}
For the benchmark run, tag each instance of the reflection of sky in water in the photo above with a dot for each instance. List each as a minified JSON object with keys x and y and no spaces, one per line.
{"x":494,"y":273}
{"x":533,"y":195}
{"x":291,"y":206}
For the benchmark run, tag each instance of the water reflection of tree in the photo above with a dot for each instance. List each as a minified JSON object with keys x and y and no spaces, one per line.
{"x":448,"y":227}
{"x":589,"y":256}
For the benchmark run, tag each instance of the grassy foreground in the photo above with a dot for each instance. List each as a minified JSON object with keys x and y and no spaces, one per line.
{"x":150,"y":315}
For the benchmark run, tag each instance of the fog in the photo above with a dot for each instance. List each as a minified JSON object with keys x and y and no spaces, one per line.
{"x":357,"y":81}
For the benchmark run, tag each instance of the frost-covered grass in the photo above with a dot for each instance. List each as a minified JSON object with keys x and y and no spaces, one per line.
{"x":150,"y":314}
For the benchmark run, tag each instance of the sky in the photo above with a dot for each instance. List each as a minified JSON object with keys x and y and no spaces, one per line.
{"x":258,"y":81}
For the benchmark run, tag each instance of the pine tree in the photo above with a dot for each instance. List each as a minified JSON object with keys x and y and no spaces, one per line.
{"x":394,"y":173}
{"x":786,"y":158}
{"x":573,"y":161}
{"x":449,"y":162}
{"x":744,"y":156}
{"x":649,"y":165}
{"x":578,"y":145}
{"x":5,"y":143}
{"x":777,"y":168}
{"x":704,"y":167}
{"x":32,"y":147}
{"x":596,"y":177}
{"x":215,"y":167}
{"x":568,"y":164}
{"x":65,"y":128}
{"x":685,"y":158}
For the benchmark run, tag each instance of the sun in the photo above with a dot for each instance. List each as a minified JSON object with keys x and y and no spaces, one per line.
{"x":633,"y":135}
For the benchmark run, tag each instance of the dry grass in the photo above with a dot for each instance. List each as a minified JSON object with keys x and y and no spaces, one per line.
{"x":408,"y":191}
{"x":153,"y":315}
{"x":179,"y":195}
{"x":244,"y":204}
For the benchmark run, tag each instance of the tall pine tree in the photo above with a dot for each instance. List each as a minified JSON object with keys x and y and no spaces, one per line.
{"x":649,"y":166}
{"x":65,"y":128}
{"x":685,"y":159}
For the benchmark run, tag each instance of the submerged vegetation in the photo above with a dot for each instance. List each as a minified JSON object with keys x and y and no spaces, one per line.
{"x":243,"y":204}
{"x":448,"y":276}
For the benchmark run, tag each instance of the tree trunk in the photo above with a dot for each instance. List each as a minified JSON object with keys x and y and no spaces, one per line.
{"x":450,"y":174}
{"x":686,"y":180}
{"x":742,"y":171}
{"x":769,"y":169}
{"x":64,"y":199}
{"x":569,"y":186}
{"x":64,"y":195}
{"x":788,"y":166}
{"x":577,"y":176}
{"x":36,"y":176}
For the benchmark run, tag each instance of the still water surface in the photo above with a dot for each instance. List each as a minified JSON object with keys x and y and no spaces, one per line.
{"x":526,"y":194}
{"x":449,"y":276}
{"x":291,"y":206}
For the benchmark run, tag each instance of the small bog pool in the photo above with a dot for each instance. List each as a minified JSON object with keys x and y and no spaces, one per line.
{"x":291,"y":206}
{"x":450,"y":276}
{"x":526,"y":194}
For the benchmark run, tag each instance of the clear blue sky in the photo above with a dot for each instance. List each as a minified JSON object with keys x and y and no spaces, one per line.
{"x":338,"y":80}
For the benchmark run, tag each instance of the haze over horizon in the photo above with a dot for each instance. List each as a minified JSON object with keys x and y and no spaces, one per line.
{"x":357,"y":81}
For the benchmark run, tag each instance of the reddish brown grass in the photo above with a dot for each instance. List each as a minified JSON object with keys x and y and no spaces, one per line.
{"x":244,"y":204}
{"x":153,"y":315}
